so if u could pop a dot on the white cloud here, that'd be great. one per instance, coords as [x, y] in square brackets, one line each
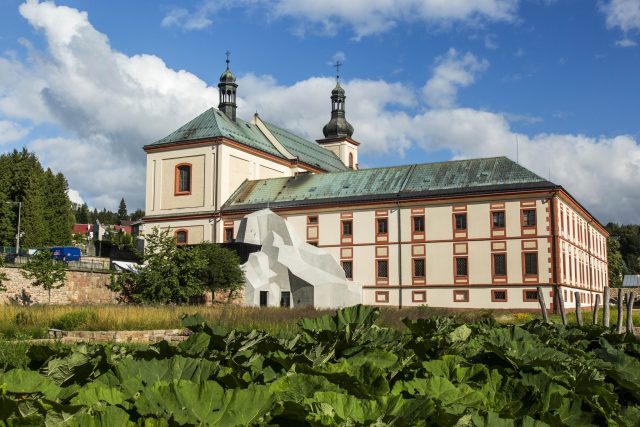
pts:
[111, 104]
[181, 17]
[626, 42]
[363, 17]
[624, 15]
[11, 131]
[74, 196]
[452, 71]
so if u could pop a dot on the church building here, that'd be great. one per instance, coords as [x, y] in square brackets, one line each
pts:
[478, 233]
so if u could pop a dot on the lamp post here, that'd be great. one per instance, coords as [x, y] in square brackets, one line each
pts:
[18, 235]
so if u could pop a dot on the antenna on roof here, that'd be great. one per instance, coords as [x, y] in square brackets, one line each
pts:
[517, 150]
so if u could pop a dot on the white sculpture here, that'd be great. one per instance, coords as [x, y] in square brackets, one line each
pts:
[288, 270]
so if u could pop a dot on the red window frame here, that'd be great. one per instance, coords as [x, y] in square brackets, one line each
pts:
[177, 191]
[186, 236]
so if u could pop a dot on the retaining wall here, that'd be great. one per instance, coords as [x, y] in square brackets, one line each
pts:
[81, 287]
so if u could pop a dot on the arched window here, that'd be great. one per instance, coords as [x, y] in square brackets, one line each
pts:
[350, 160]
[183, 179]
[182, 237]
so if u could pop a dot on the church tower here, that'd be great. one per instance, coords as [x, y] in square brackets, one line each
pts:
[227, 89]
[337, 133]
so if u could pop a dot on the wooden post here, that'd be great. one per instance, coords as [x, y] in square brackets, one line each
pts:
[595, 309]
[630, 298]
[605, 307]
[620, 311]
[543, 307]
[578, 308]
[560, 304]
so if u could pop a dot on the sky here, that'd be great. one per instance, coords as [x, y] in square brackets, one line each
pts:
[553, 84]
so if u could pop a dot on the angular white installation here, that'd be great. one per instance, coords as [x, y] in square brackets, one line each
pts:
[288, 271]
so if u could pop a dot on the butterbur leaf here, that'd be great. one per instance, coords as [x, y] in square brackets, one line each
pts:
[28, 382]
[183, 401]
[297, 387]
[244, 407]
[195, 344]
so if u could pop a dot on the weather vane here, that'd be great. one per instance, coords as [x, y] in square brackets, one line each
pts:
[228, 54]
[338, 64]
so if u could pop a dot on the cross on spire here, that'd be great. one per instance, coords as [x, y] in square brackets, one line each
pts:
[338, 64]
[228, 60]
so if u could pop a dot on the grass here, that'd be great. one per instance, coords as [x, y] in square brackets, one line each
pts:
[18, 322]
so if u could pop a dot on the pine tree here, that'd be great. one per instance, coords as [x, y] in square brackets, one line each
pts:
[7, 216]
[122, 211]
[34, 224]
[58, 209]
[82, 214]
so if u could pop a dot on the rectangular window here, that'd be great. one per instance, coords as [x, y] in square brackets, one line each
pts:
[312, 220]
[530, 295]
[499, 295]
[347, 228]
[418, 267]
[383, 268]
[382, 296]
[461, 221]
[418, 224]
[497, 219]
[461, 267]
[531, 264]
[348, 269]
[183, 179]
[264, 298]
[499, 264]
[460, 296]
[529, 217]
[228, 234]
[382, 226]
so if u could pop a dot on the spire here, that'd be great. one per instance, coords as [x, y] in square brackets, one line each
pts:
[338, 126]
[227, 90]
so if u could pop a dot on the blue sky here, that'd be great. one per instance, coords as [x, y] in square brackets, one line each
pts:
[86, 84]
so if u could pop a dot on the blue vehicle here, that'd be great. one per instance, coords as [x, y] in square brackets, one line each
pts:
[65, 253]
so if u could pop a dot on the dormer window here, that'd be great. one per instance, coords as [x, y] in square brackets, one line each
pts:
[183, 179]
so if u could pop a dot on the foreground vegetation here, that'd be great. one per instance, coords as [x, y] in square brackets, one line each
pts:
[340, 369]
[34, 321]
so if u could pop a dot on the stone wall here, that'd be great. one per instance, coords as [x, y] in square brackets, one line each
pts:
[150, 336]
[81, 288]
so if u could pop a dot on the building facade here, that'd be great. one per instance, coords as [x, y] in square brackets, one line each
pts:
[480, 233]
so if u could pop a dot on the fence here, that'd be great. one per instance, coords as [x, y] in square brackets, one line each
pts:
[97, 265]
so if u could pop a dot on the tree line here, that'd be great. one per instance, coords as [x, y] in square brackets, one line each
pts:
[83, 215]
[623, 251]
[46, 215]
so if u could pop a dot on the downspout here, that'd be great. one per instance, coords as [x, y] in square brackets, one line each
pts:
[215, 194]
[554, 250]
[406, 179]
[399, 255]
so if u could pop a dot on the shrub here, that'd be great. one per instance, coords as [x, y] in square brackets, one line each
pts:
[74, 320]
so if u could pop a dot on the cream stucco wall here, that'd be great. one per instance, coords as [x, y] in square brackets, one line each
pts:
[439, 250]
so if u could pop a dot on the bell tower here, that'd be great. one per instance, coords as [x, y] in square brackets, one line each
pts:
[227, 90]
[337, 133]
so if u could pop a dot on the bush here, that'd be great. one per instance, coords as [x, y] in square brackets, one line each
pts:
[74, 320]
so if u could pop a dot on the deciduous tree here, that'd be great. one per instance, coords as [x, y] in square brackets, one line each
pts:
[44, 271]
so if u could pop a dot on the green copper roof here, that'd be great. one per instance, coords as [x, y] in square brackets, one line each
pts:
[212, 123]
[399, 182]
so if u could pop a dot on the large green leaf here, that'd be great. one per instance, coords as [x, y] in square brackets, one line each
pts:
[183, 401]
[20, 381]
